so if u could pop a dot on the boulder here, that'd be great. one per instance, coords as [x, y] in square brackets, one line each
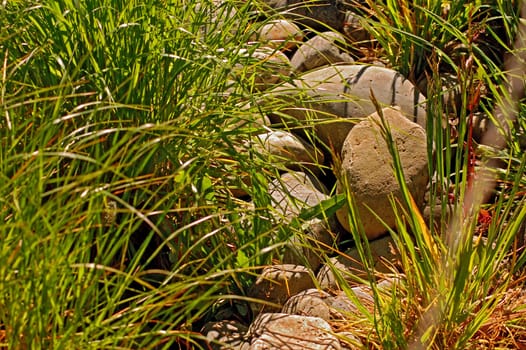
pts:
[340, 96]
[368, 171]
[323, 49]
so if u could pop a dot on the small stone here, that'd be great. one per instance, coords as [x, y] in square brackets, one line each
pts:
[354, 30]
[295, 191]
[224, 335]
[277, 283]
[291, 150]
[282, 34]
[324, 48]
[274, 66]
[321, 15]
[341, 305]
[291, 332]
[350, 268]
[308, 303]
[349, 341]
[309, 248]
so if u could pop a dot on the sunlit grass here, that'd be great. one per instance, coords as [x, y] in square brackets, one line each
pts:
[123, 129]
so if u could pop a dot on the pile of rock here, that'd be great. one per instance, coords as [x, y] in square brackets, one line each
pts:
[348, 107]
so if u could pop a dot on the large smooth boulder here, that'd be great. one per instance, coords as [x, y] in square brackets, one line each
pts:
[333, 99]
[367, 168]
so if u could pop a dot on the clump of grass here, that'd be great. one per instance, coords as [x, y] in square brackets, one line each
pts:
[460, 275]
[122, 140]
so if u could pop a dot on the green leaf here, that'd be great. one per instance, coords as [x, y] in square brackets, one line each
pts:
[324, 209]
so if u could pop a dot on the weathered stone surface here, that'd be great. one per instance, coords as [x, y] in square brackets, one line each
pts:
[354, 30]
[310, 302]
[295, 191]
[341, 305]
[292, 332]
[308, 248]
[277, 283]
[274, 66]
[328, 278]
[290, 150]
[321, 15]
[281, 33]
[349, 341]
[349, 266]
[224, 335]
[324, 48]
[341, 95]
[263, 67]
[367, 168]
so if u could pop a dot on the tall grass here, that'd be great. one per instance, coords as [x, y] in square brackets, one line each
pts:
[123, 129]
[119, 154]
[460, 285]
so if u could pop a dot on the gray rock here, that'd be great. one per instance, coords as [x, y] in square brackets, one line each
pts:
[355, 31]
[340, 96]
[281, 33]
[367, 168]
[295, 191]
[310, 302]
[324, 48]
[349, 341]
[291, 332]
[224, 335]
[290, 150]
[277, 283]
[320, 15]
[341, 305]
[335, 271]
[308, 248]
[349, 266]
[274, 66]
[263, 67]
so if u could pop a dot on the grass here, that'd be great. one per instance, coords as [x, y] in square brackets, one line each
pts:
[464, 272]
[120, 153]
